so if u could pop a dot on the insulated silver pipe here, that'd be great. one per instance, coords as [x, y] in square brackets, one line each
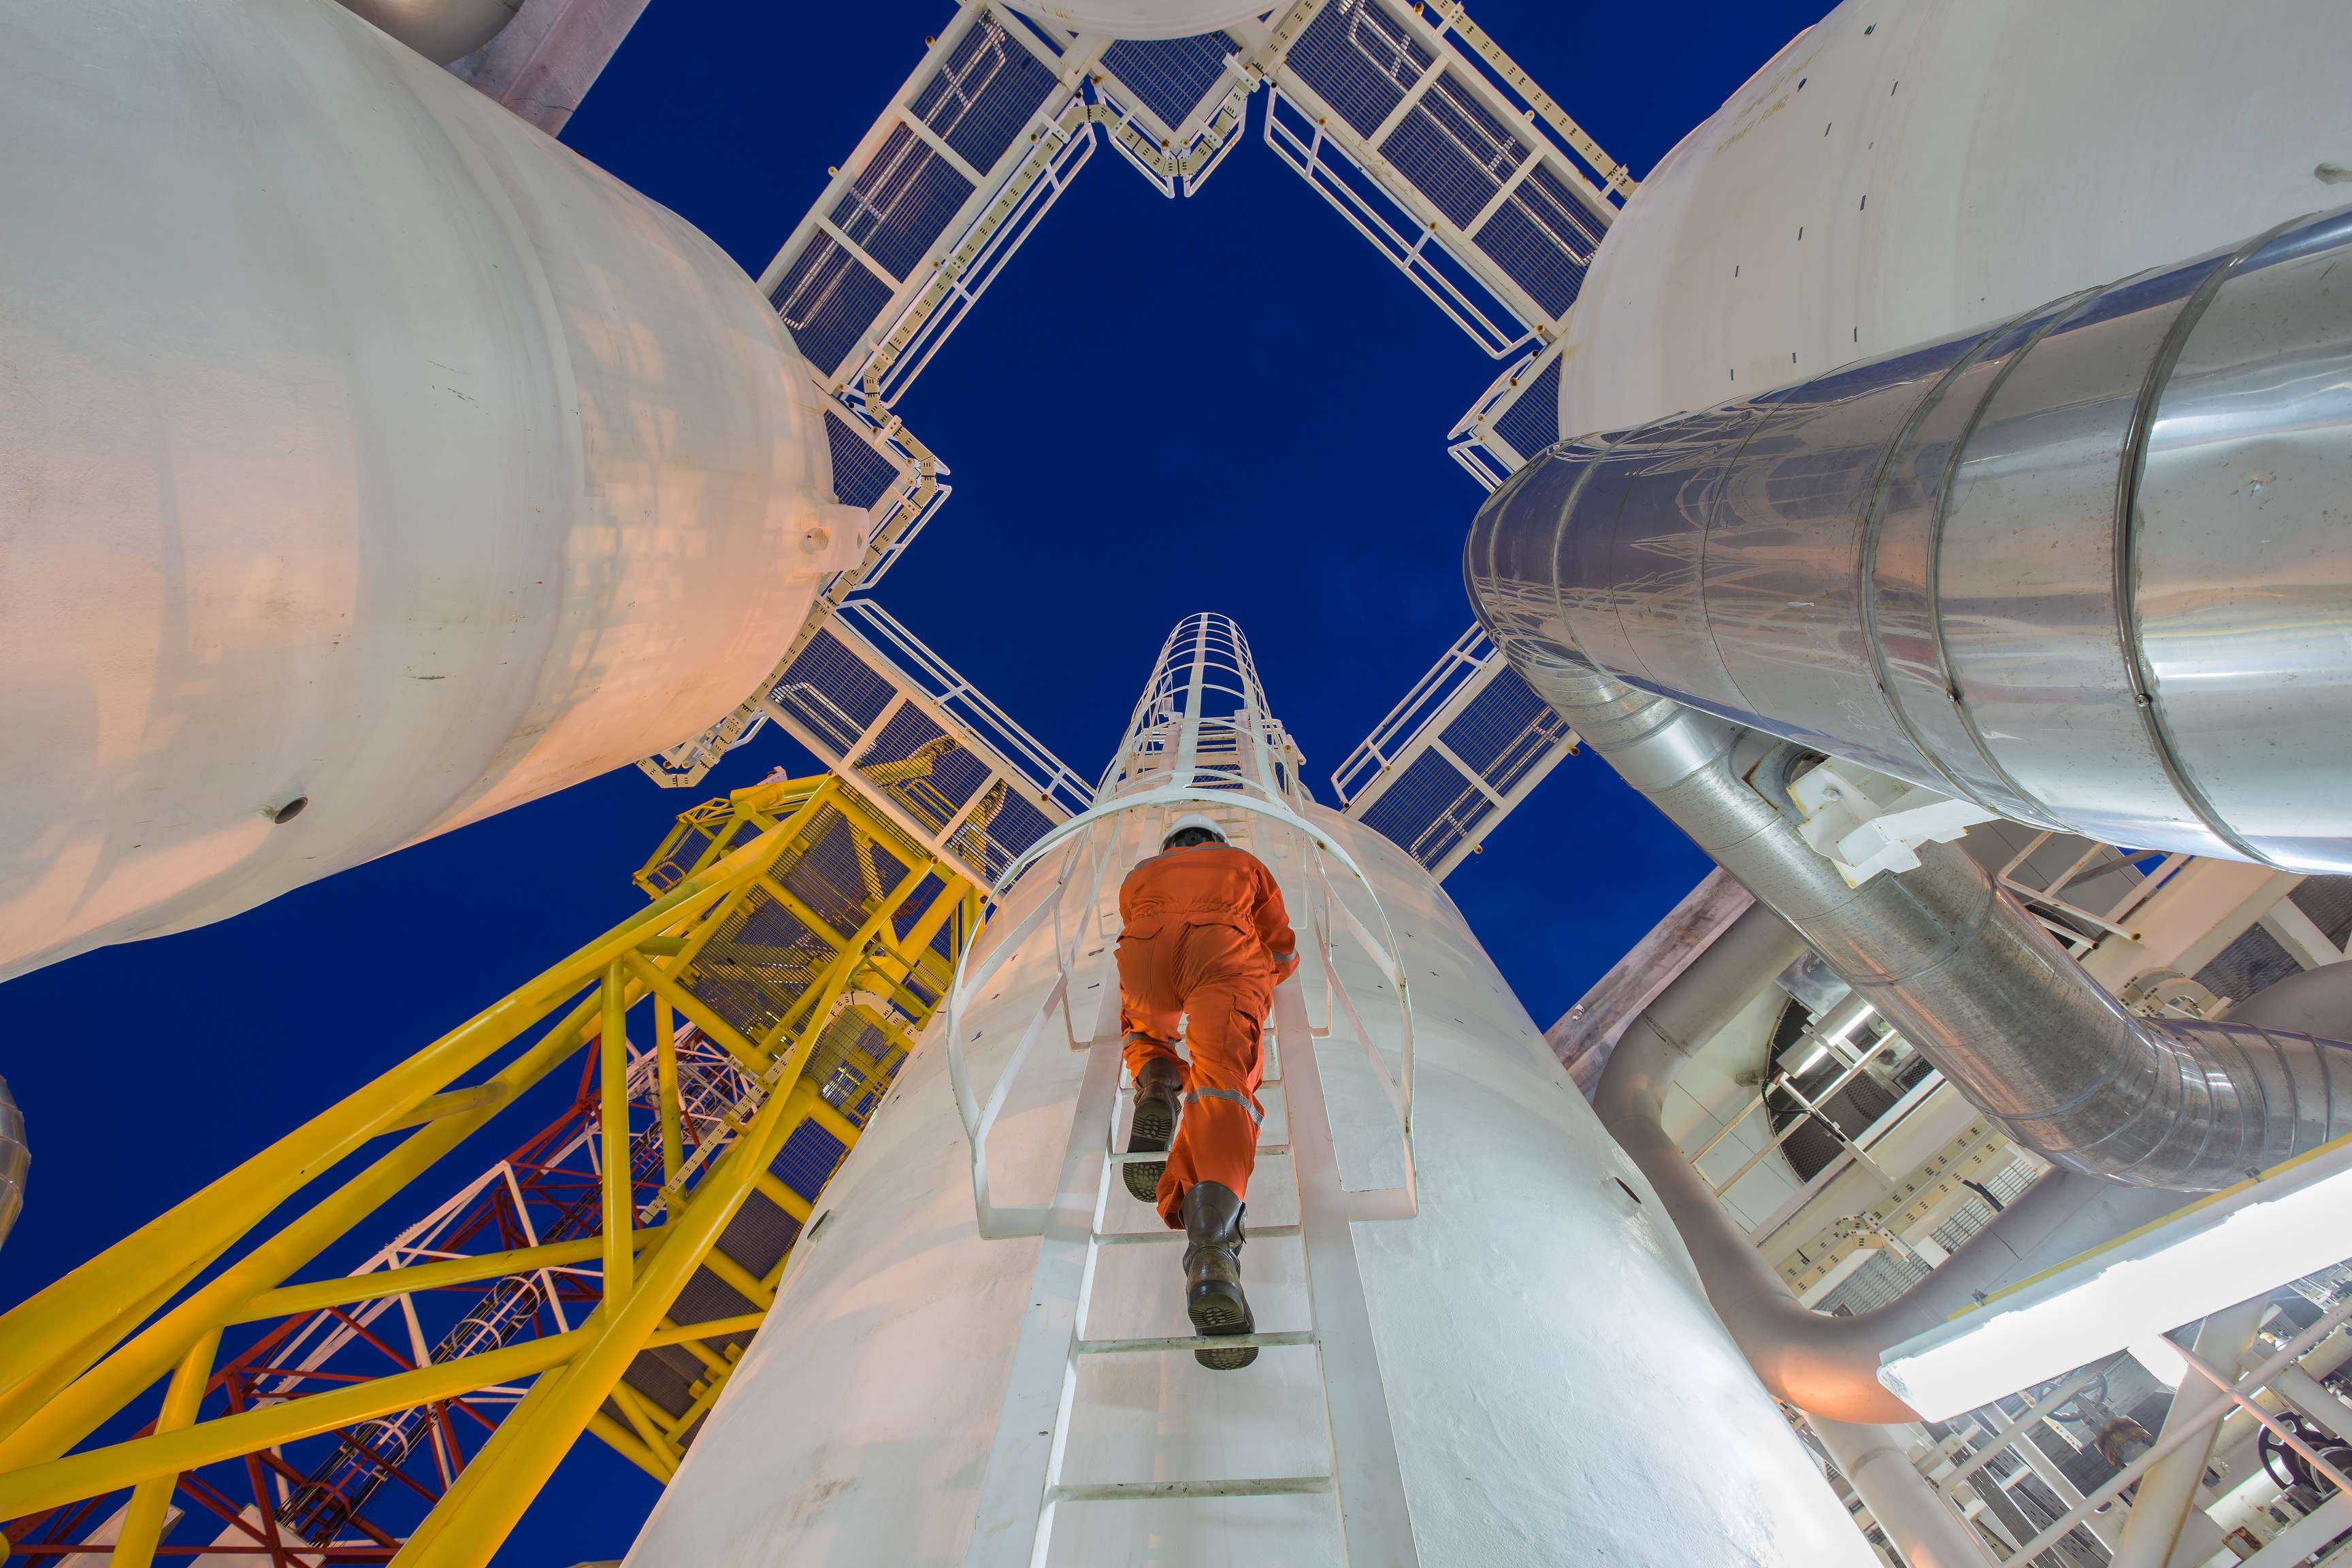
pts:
[1976, 984]
[1973, 982]
[1824, 1364]
[2090, 569]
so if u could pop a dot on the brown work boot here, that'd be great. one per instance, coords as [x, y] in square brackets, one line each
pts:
[1212, 1273]
[1159, 1089]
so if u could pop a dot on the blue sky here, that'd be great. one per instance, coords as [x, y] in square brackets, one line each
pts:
[1228, 403]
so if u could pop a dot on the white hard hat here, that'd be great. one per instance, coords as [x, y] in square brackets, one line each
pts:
[1192, 819]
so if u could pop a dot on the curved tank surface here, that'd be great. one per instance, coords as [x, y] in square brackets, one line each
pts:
[1906, 168]
[1559, 1386]
[370, 463]
[440, 30]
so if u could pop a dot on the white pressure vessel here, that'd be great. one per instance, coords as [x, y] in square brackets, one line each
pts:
[1908, 168]
[1559, 1390]
[360, 447]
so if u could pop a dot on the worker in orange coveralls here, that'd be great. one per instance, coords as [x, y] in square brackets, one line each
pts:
[1204, 937]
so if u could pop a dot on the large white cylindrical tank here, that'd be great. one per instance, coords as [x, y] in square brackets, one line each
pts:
[1908, 168]
[358, 444]
[1559, 1389]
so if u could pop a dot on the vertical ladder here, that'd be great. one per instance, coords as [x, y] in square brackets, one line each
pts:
[1029, 1484]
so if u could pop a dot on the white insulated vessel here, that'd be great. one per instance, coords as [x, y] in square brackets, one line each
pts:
[1523, 1372]
[1907, 168]
[359, 446]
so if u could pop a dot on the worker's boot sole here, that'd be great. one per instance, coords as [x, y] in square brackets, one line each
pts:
[1215, 1313]
[1153, 1129]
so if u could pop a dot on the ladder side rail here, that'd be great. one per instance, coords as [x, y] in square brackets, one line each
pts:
[1015, 1506]
[1375, 1521]
[1000, 1223]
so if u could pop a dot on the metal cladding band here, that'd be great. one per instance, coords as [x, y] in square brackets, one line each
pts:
[2089, 568]
[1969, 979]
[15, 1160]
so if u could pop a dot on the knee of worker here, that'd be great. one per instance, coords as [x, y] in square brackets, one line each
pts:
[1227, 1042]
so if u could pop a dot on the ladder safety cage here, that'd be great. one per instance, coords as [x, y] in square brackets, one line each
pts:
[1200, 738]
[1514, 419]
[1091, 854]
[1177, 751]
[1451, 160]
[1466, 744]
[903, 728]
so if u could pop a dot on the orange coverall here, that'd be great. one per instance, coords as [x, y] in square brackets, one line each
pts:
[1204, 935]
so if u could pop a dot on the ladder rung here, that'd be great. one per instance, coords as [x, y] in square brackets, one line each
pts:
[1251, 1233]
[1194, 1343]
[1148, 1491]
[1159, 1156]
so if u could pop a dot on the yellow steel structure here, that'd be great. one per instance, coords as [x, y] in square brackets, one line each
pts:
[791, 923]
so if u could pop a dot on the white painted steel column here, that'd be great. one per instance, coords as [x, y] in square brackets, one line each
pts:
[2169, 1491]
[1913, 1515]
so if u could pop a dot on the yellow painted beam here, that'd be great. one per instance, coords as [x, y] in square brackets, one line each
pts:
[645, 1423]
[691, 1342]
[612, 1116]
[783, 1197]
[745, 1283]
[665, 1093]
[624, 1443]
[664, 984]
[62, 1335]
[288, 1300]
[467, 1529]
[68, 1416]
[120, 1465]
[715, 1328]
[54, 1320]
[144, 1516]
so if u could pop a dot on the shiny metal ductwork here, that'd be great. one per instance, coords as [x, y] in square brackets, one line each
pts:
[1822, 1362]
[1824, 556]
[1971, 980]
[2090, 569]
